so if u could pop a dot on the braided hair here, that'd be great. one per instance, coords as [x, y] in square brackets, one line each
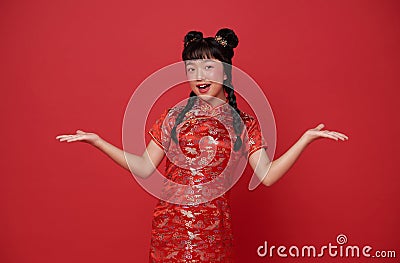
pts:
[197, 47]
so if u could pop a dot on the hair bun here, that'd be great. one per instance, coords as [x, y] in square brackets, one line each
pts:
[191, 36]
[229, 36]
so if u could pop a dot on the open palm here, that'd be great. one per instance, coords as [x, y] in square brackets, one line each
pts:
[80, 135]
[317, 132]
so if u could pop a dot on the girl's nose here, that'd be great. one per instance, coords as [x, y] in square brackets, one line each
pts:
[200, 74]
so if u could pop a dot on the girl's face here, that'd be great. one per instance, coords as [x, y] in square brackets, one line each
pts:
[205, 78]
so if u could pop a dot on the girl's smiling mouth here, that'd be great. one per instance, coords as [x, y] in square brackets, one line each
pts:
[203, 88]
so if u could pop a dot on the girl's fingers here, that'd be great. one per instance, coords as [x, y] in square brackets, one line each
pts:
[67, 137]
[61, 136]
[344, 136]
[334, 135]
[339, 135]
[75, 138]
[327, 135]
[78, 132]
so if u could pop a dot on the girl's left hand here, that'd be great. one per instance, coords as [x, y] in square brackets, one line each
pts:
[317, 133]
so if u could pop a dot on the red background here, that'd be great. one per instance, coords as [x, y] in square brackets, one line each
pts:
[68, 65]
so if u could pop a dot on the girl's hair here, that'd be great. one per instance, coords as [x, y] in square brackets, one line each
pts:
[221, 48]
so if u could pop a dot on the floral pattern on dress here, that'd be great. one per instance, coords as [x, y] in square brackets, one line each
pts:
[198, 232]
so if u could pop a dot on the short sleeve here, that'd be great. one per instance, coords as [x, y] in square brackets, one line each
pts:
[160, 130]
[255, 139]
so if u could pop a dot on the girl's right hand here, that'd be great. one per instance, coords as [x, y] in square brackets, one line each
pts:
[88, 137]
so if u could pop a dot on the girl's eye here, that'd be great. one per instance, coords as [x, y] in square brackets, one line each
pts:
[208, 67]
[190, 69]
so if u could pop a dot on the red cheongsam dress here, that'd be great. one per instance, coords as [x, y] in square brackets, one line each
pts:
[194, 231]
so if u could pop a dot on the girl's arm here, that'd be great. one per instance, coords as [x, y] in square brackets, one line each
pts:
[142, 166]
[260, 162]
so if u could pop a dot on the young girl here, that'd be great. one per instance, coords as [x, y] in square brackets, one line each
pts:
[199, 230]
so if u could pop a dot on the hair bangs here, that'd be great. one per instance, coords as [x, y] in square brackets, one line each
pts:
[201, 50]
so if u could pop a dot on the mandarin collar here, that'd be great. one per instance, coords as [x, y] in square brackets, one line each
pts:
[202, 107]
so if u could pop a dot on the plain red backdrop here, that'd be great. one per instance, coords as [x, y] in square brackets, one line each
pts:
[68, 65]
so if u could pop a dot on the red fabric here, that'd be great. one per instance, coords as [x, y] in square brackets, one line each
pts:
[198, 232]
[255, 140]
